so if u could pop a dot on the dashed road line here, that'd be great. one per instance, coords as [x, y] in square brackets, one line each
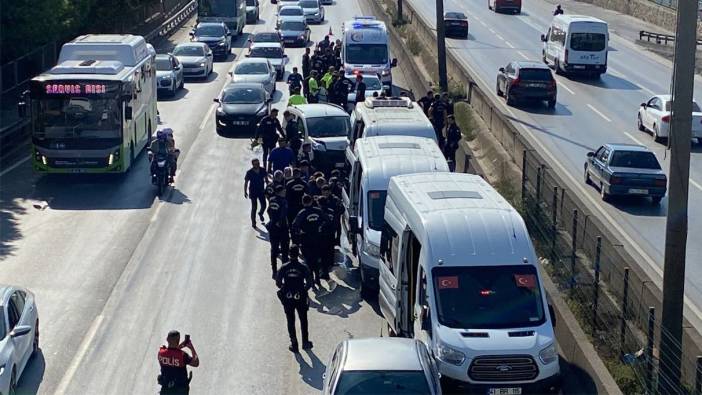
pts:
[631, 136]
[523, 55]
[696, 184]
[596, 111]
[499, 37]
[507, 43]
[564, 86]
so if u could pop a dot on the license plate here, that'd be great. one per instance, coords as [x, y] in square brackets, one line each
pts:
[339, 165]
[239, 123]
[578, 67]
[639, 191]
[505, 391]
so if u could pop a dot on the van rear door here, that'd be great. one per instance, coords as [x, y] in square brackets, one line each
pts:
[388, 292]
[587, 43]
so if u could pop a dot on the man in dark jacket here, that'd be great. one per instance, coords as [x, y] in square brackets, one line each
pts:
[453, 137]
[278, 227]
[307, 232]
[306, 63]
[294, 281]
[269, 130]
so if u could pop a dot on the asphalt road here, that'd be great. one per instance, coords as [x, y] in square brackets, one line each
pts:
[589, 113]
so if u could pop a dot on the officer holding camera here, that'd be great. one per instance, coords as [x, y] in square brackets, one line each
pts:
[173, 360]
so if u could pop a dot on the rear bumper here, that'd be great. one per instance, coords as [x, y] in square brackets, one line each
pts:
[532, 94]
[457, 30]
[635, 190]
[247, 125]
[290, 41]
[508, 6]
[584, 68]
[195, 72]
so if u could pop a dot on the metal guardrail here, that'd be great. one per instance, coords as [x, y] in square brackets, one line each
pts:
[659, 37]
[173, 22]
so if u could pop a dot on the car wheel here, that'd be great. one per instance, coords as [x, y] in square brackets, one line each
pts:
[489, 6]
[543, 57]
[656, 200]
[509, 99]
[552, 104]
[557, 66]
[182, 83]
[640, 124]
[656, 135]
[587, 177]
[603, 193]
[13, 383]
[35, 343]
[391, 333]
[497, 89]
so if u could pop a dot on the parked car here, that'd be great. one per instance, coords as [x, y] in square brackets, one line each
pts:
[216, 35]
[169, 73]
[19, 335]
[625, 170]
[287, 12]
[294, 31]
[274, 52]
[255, 70]
[381, 365]
[456, 24]
[252, 11]
[654, 115]
[313, 10]
[241, 106]
[197, 59]
[524, 80]
[514, 6]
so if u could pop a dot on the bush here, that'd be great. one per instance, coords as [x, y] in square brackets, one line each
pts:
[465, 119]
[413, 43]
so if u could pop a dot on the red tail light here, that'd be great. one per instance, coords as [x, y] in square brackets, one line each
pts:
[552, 84]
[516, 82]
[660, 182]
[666, 118]
[615, 180]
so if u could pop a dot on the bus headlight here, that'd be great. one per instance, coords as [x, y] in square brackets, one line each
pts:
[113, 156]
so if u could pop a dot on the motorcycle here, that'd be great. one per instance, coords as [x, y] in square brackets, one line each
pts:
[160, 172]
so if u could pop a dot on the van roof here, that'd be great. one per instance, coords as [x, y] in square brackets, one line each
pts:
[127, 49]
[468, 220]
[567, 19]
[392, 120]
[388, 156]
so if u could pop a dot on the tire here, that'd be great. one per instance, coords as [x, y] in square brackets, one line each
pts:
[173, 91]
[557, 67]
[656, 200]
[509, 99]
[640, 124]
[182, 83]
[489, 6]
[587, 177]
[656, 136]
[365, 291]
[543, 57]
[35, 343]
[603, 193]
[160, 188]
[497, 89]
[13, 382]
[552, 104]
[391, 333]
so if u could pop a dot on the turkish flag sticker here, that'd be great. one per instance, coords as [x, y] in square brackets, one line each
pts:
[448, 282]
[525, 280]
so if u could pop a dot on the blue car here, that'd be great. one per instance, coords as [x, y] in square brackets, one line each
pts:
[625, 170]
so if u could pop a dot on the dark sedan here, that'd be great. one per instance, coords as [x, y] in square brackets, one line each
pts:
[294, 32]
[625, 170]
[456, 24]
[523, 80]
[216, 35]
[241, 107]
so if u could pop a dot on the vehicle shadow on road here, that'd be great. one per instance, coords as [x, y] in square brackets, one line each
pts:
[552, 134]
[175, 197]
[542, 108]
[33, 375]
[607, 81]
[180, 93]
[311, 373]
[640, 206]
[10, 212]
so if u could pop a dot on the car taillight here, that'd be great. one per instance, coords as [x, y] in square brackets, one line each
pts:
[665, 118]
[516, 82]
[615, 180]
[464, 23]
[552, 84]
[660, 182]
[565, 60]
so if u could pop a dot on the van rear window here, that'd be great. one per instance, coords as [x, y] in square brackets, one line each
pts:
[535, 74]
[588, 42]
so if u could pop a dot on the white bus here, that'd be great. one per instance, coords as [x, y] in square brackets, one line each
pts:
[366, 48]
[576, 44]
[96, 109]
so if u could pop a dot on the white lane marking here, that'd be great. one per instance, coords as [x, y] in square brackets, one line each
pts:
[564, 86]
[82, 350]
[207, 117]
[482, 23]
[696, 184]
[158, 209]
[523, 55]
[637, 141]
[491, 31]
[14, 166]
[509, 44]
[499, 37]
[599, 113]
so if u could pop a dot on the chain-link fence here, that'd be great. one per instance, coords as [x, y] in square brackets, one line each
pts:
[611, 300]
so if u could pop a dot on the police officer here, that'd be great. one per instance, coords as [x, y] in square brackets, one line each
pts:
[340, 88]
[453, 137]
[307, 232]
[426, 102]
[437, 114]
[326, 241]
[312, 88]
[337, 54]
[318, 62]
[278, 227]
[295, 189]
[293, 133]
[294, 80]
[306, 63]
[360, 89]
[337, 210]
[173, 362]
[294, 281]
[269, 130]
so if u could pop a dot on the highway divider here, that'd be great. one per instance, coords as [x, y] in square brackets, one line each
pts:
[594, 265]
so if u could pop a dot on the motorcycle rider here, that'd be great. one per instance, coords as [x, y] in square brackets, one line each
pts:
[278, 227]
[173, 362]
[163, 146]
[294, 80]
[558, 11]
[307, 232]
[294, 281]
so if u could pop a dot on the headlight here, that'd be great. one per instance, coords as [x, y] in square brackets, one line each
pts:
[43, 160]
[449, 354]
[220, 111]
[385, 72]
[202, 64]
[222, 43]
[2, 369]
[371, 249]
[548, 354]
[262, 111]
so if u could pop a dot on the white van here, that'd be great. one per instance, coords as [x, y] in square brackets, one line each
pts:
[397, 116]
[576, 44]
[325, 127]
[377, 159]
[459, 272]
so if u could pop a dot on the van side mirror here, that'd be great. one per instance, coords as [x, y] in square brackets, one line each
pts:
[590, 154]
[353, 224]
[128, 113]
[20, 330]
[501, 69]
[552, 313]
[543, 38]
[394, 62]
[644, 105]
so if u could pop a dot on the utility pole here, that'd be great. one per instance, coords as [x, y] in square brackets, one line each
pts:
[676, 224]
[441, 45]
[400, 18]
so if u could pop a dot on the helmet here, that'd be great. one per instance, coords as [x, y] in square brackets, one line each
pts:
[166, 130]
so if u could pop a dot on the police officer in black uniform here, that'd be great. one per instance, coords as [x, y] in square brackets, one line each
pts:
[278, 227]
[268, 130]
[327, 240]
[295, 189]
[294, 281]
[336, 207]
[318, 62]
[437, 114]
[453, 137]
[307, 232]
[306, 63]
[341, 89]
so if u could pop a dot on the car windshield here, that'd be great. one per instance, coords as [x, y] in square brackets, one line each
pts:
[308, 4]
[266, 52]
[251, 68]
[382, 382]
[292, 25]
[189, 50]
[291, 11]
[695, 106]
[635, 159]
[367, 53]
[328, 126]
[163, 64]
[588, 41]
[251, 3]
[488, 297]
[267, 38]
[242, 96]
[376, 209]
[212, 31]
[535, 74]
[455, 15]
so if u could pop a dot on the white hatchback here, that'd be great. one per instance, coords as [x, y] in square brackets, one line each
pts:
[19, 334]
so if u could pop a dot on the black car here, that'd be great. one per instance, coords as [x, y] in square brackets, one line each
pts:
[216, 35]
[456, 24]
[294, 32]
[241, 107]
[252, 11]
[625, 170]
[522, 81]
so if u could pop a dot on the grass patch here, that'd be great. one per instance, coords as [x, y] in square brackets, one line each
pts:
[456, 89]
[465, 118]
[413, 43]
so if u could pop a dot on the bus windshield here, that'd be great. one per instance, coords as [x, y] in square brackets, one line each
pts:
[68, 117]
[367, 53]
[211, 8]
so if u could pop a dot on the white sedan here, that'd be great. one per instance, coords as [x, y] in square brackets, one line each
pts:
[654, 116]
[373, 85]
[19, 334]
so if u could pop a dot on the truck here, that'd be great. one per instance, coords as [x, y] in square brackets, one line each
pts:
[231, 12]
